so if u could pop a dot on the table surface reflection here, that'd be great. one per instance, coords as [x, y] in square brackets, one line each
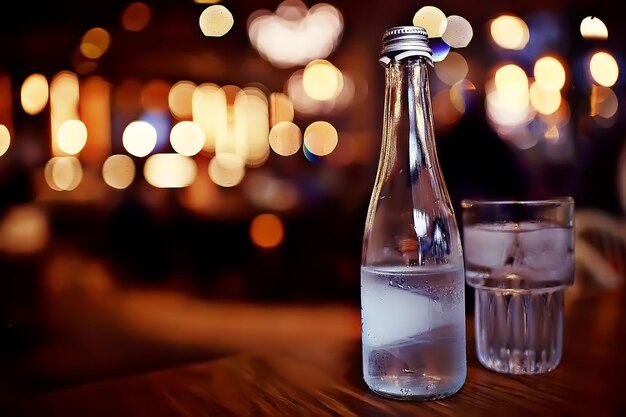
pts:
[324, 379]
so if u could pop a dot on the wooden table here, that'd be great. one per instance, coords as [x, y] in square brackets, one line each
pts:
[325, 380]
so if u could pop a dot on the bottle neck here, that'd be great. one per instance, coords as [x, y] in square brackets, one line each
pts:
[408, 135]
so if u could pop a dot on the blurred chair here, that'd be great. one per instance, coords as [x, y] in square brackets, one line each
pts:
[600, 250]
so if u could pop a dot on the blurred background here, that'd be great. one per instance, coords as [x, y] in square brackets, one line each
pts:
[175, 174]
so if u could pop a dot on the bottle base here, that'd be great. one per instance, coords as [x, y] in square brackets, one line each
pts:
[410, 389]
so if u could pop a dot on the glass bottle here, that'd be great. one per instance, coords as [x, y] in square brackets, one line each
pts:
[412, 275]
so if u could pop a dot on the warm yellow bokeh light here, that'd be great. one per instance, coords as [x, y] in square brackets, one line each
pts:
[432, 19]
[267, 231]
[64, 103]
[118, 171]
[295, 34]
[258, 92]
[63, 173]
[544, 101]
[509, 32]
[187, 138]
[281, 108]
[320, 138]
[72, 136]
[511, 84]
[604, 102]
[249, 128]
[322, 80]
[285, 138]
[604, 69]
[458, 33]
[549, 73]
[139, 138]
[170, 170]
[227, 169]
[593, 28]
[216, 21]
[5, 139]
[210, 112]
[34, 94]
[180, 99]
[95, 42]
[507, 107]
[511, 77]
[136, 16]
[24, 229]
[452, 69]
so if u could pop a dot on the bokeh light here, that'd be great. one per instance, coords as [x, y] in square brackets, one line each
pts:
[5, 139]
[180, 99]
[227, 169]
[511, 85]
[604, 102]
[281, 108]
[444, 112]
[250, 128]
[64, 101]
[592, 27]
[560, 118]
[72, 136]
[458, 33]
[24, 230]
[432, 19]
[303, 103]
[83, 65]
[209, 111]
[270, 193]
[63, 173]
[34, 94]
[604, 69]
[118, 171]
[187, 138]
[320, 138]
[509, 32]
[285, 138]
[549, 73]
[452, 69]
[95, 42]
[459, 94]
[295, 35]
[544, 101]
[216, 21]
[509, 105]
[267, 231]
[322, 80]
[136, 16]
[139, 138]
[169, 170]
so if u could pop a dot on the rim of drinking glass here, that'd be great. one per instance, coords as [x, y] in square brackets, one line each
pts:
[561, 200]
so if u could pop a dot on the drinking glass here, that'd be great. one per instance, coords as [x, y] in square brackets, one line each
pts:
[519, 258]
